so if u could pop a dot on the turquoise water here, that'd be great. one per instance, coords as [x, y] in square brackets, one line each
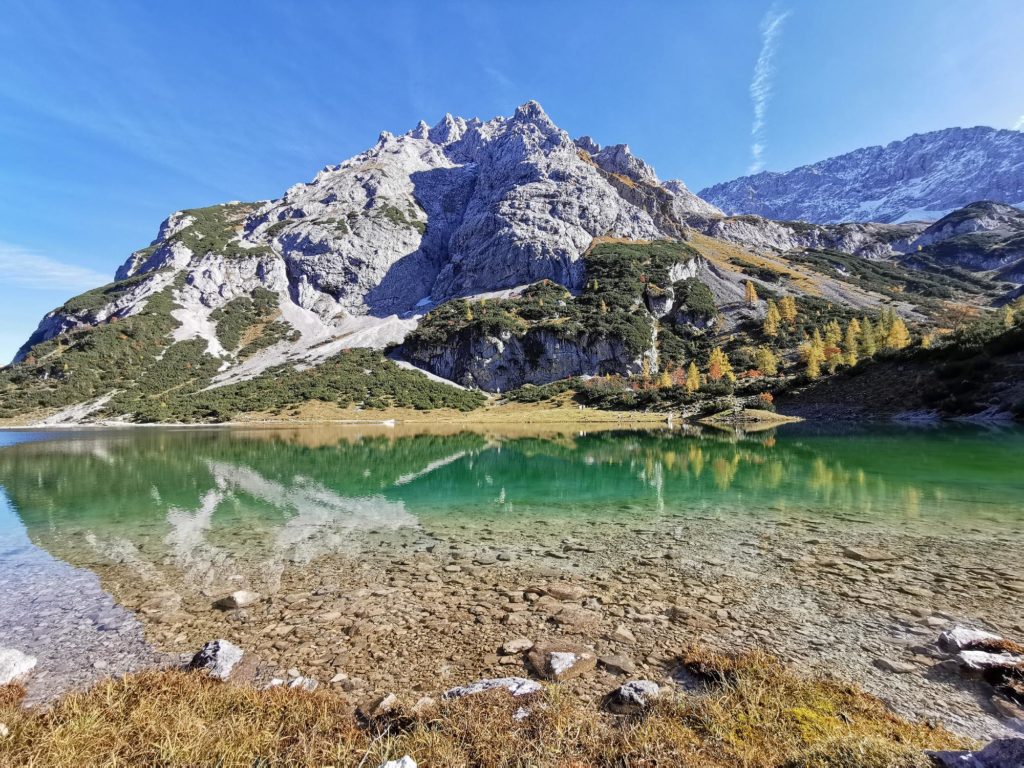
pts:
[952, 476]
[378, 553]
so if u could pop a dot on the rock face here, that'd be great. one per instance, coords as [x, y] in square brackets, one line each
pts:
[869, 240]
[922, 177]
[503, 362]
[982, 236]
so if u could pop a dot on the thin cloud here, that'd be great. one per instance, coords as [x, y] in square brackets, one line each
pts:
[761, 84]
[1019, 125]
[21, 266]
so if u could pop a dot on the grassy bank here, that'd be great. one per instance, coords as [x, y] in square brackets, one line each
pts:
[751, 712]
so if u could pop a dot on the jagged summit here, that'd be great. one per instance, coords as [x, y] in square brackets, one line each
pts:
[922, 177]
[458, 208]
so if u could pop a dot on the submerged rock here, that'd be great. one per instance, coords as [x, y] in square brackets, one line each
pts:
[865, 554]
[561, 661]
[520, 644]
[15, 665]
[217, 658]
[240, 599]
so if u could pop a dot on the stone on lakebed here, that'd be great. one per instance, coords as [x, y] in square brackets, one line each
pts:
[561, 661]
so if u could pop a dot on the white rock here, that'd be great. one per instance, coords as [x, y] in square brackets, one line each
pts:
[517, 686]
[520, 644]
[217, 658]
[305, 683]
[982, 660]
[15, 665]
[462, 208]
[405, 762]
[960, 638]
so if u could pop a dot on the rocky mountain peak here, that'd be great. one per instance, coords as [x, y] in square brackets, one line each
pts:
[457, 209]
[922, 177]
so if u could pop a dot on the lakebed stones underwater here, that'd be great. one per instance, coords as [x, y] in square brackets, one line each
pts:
[420, 565]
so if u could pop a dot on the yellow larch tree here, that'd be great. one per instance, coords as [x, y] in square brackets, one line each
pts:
[692, 378]
[898, 336]
[772, 320]
[719, 366]
[750, 293]
[787, 308]
[851, 342]
[767, 362]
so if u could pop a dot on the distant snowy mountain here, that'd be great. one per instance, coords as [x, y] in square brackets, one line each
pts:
[923, 177]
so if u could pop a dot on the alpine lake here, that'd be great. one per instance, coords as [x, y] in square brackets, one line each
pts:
[387, 559]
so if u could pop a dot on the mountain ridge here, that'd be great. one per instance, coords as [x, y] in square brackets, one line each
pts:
[923, 176]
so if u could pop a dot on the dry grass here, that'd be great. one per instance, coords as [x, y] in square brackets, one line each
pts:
[758, 715]
[560, 410]
[723, 254]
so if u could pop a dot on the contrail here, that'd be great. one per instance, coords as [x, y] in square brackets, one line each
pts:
[761, 85]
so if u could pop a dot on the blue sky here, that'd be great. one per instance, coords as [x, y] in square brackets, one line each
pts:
[114, 114]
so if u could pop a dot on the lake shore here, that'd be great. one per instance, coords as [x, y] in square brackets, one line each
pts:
[744, 709]
[411, 565]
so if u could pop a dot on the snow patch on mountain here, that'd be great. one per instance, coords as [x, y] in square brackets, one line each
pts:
[924, 176]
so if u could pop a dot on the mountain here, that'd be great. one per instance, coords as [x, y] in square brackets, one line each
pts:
[983, 236]
[922, 177]
[472, 256]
